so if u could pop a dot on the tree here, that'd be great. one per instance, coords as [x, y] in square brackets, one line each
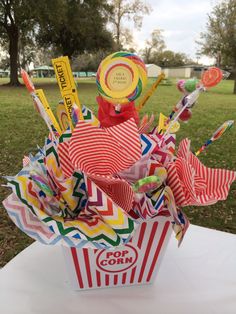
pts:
[88, 62]
[169, 58]
[155, 45]
[70, 26]
[127, 10]
[219, 39]
[74, 27]
[16, 20]
[27, 50]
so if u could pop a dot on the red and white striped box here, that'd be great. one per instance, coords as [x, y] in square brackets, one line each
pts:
[134, 263]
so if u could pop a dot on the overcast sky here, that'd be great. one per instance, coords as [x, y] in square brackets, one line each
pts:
[181, 21]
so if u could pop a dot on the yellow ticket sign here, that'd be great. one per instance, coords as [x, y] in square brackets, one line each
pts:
[43, 99]
[67, 85]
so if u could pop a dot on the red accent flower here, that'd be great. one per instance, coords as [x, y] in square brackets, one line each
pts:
[109, 117]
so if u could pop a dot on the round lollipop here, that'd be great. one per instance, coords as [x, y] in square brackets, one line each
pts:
[121, 77]
[62, 116]
[28, 83]
[212, 77]
[180, 86]
[147, 184]
[185, 115]
[175, 127]
[190, 85]
[161, 173]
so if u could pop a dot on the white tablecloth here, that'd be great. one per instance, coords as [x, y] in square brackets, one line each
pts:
[200, 277]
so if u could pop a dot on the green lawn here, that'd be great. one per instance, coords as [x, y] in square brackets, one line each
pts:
[22, 130]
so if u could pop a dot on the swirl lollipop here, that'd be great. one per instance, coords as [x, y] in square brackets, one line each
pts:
[227, 125]
[212, 77]
[147, 184]
[121, 77]
[180, 86]
[190, 85]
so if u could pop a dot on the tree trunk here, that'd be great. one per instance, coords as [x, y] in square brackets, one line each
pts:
[118, 38]
[118, 27]
[235, 79]
[13, 52]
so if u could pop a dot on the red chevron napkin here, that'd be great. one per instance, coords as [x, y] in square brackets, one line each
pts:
[194, 184]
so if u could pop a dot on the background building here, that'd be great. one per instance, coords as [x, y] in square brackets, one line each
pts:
[153, 70]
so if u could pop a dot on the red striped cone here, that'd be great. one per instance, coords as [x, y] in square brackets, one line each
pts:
[134, 263]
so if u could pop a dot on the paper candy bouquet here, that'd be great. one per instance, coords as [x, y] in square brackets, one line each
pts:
[99, 182]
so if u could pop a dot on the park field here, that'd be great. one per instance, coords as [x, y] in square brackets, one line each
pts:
[22, 129]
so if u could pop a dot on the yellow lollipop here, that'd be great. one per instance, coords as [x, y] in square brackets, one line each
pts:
[121, 77]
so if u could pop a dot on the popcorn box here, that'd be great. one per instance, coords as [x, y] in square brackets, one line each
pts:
[134, 263]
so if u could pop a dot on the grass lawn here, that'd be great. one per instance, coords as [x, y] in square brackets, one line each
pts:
[21, 130]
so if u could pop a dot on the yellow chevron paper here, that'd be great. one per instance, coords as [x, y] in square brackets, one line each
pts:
[99, 228]
[162, 124]
[88, 226]
[62, 117]
[27, 193]
[66, 185]
[67, 85]
[43, 99]
[113, 215]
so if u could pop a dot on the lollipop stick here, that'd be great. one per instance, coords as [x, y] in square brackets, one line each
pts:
[216, 135]
[150, 91]
[38, 104]
[203, 147]
[190, 100]
[174, 110]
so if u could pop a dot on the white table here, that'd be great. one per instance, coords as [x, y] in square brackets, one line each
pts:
[200, 277]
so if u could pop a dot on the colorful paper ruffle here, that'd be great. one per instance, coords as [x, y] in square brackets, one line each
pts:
[79, 191]
[194, 184]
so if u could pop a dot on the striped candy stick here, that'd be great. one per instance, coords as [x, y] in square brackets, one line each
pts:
[38, 104]
[227, 125]
[210, 78]
[190, 100]
[174, 110]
